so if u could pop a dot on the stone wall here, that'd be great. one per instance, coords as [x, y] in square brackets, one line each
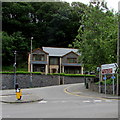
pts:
[94, 87]
[24, 80]
[71, 80]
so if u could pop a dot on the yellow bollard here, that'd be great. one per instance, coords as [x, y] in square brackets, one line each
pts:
[19, 94]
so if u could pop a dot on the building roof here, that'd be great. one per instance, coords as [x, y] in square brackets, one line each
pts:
[38, 50]
[59, 52]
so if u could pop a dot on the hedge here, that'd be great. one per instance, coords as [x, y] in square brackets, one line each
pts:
[60, 74]
[72, 75]
[21, 72]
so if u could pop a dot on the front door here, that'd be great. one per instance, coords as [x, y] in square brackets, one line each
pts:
[54, 70]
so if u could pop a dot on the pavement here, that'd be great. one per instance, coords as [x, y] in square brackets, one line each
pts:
[29, 95]
[80, 90]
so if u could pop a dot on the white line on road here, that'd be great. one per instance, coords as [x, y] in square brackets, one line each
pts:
[86, 101]
[63, 101]
[42, 102]
[97, 100]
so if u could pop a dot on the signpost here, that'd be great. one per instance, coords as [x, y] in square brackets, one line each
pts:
[105, 78]
[99, 70]
[113, 77]
[109, 69]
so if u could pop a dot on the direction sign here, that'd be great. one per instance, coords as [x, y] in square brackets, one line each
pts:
[109, 68]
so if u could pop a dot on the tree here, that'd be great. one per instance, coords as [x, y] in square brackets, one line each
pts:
[50, 23]
[97, 36]
[13, 42]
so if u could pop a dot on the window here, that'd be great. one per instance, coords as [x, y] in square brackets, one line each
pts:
[72, 60]
[54, 61]
[38, 57]
[38, 68]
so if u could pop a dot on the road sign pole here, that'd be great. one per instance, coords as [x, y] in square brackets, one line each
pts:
[99, 82]
[113, 77]
[113, 87]
[105, 85]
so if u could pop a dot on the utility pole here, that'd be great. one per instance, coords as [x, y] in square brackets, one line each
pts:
[31, 64]
[15, 81]
[118, 52]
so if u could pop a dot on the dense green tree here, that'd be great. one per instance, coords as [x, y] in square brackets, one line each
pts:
[97, 36]
[11, 43]
[50, 23]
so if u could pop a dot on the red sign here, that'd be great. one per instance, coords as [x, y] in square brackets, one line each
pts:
[107, 71]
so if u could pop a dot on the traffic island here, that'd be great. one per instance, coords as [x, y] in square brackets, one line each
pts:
[26, 98]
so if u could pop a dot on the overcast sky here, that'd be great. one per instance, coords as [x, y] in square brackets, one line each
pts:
[112, 4]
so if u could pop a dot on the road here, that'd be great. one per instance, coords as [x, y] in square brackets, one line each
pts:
[58, 104]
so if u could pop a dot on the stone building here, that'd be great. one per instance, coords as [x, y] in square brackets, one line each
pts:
[55, 60]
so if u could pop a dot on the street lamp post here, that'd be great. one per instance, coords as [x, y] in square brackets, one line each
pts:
[15, 81]
[31, 63]
[118, 52]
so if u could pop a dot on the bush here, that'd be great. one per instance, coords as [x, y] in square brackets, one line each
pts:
[72, 75]
[60, 74]
[21, 72]
[108, 81]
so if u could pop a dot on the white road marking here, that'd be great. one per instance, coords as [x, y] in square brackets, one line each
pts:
[43, 102]
[86, 101]
[63, 101]
[97, 100]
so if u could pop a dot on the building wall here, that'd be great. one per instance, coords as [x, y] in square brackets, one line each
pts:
[38, 51]
[28, 62]
[70, 55]
[51, 67]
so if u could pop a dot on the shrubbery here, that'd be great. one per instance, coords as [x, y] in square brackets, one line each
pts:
[21, 72]
[63, 74]
[60, 74]
[108, 81]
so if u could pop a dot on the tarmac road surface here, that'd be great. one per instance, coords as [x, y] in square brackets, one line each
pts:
[59, 103]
